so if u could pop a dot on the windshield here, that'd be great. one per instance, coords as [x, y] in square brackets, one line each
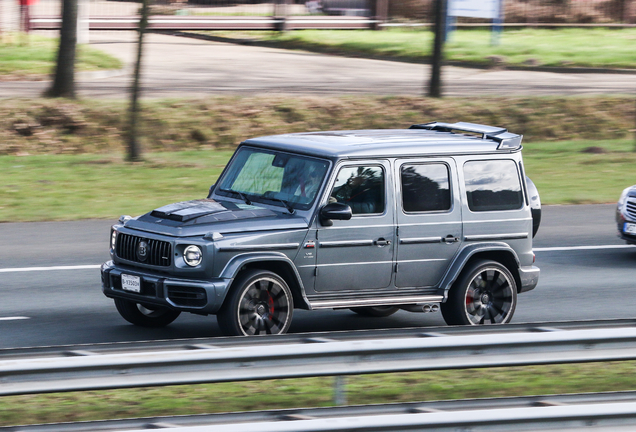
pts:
[282, 178]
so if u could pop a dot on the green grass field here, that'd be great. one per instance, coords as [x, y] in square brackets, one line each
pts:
[68, 187]
[586, 47]
[29, 57]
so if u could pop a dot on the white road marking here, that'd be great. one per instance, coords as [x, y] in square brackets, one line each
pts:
[13, 318]
[572, 248]
[32, 269]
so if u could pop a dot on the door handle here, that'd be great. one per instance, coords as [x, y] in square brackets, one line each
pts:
[450, 239]
[382, 242]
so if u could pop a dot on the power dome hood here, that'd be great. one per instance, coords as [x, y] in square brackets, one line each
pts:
[208, 210]
[199, 217]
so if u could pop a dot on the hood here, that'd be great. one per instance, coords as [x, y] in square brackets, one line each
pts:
[199, 217]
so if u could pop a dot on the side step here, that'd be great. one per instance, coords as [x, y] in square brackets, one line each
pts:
[375, 301]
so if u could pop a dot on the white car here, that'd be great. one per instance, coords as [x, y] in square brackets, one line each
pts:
[626, 215]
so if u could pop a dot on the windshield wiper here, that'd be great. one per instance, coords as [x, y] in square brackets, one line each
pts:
[244, 198]
[240, 194]
[287, 205]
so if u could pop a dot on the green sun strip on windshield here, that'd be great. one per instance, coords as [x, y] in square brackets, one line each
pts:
[259, 175]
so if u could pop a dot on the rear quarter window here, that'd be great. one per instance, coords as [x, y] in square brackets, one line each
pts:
[492, 185]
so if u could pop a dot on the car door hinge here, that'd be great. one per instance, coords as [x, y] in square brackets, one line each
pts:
[396, 267]
[397, 231]
[315, 271]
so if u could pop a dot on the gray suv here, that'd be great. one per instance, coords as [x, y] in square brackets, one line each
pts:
[435, 217]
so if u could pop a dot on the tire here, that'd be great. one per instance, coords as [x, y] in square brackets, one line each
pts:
[485, 293]
[375, 311]
[145, 316]
[259, 303]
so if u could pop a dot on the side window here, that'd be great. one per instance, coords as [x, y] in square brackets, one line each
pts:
[425, 187]
[361, 187]
[492, 185]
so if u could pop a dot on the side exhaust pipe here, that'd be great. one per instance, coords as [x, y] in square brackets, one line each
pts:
[421, 308]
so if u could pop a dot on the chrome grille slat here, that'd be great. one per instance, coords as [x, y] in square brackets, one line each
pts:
[630, 207]
[159, 252]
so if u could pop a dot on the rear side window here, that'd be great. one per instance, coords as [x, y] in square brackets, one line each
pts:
[492, 185]
[425, 187]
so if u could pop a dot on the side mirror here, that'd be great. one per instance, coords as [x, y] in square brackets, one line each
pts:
[337, 211]
[211, 190]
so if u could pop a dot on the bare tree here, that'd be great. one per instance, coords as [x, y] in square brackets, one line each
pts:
[435, 87]
[134, 153]
[64, 80]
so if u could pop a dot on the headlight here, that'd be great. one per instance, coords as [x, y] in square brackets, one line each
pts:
[113, 239]
[192, 255]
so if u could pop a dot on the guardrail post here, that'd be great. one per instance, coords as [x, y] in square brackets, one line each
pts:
[280, 14]
[340, 390]
[379, 13]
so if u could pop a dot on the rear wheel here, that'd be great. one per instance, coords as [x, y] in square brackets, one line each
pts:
[485, 293]
[145, 316]
[259, 303]
[375, 311]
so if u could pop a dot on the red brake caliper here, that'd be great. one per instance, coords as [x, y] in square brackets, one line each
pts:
[270, 303]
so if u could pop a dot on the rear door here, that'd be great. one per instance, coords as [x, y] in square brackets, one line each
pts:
[429, 220]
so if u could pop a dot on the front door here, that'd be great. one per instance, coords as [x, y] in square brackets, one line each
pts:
[357, 254]
[429, 219]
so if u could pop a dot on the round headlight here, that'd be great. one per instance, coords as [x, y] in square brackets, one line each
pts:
[192, 255]
[113, 239]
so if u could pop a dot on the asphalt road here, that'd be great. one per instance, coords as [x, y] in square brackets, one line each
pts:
[53, 307]
[183, 67]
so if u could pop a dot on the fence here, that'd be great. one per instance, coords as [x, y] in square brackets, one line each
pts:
[517, 12]
[534, 12]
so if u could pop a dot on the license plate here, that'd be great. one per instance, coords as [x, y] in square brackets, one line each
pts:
[629, 228]
[131, 283]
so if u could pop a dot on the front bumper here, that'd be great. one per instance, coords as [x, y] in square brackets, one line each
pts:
[529, 276]
[197, 296]
[629, 238]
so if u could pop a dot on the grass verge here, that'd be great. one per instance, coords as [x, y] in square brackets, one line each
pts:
[45, 126]
[316, 392]
[588, 47]
[70, 187]
[33, 57]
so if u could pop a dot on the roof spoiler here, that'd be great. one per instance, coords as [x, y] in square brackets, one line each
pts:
[506, 140]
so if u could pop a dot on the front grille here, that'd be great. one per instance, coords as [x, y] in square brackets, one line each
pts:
[158, 253]
[630, 207]
[187, 296]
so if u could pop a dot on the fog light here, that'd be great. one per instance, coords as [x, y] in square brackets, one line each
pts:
[192, 255]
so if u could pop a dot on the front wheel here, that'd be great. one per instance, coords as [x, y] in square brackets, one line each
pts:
[260, 303]
[145, 316]
[485, 293]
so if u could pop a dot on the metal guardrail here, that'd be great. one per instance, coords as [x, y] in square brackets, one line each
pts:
[161, 22]
[208, 364]
[246, 420]
[152, 363]
[302, 338]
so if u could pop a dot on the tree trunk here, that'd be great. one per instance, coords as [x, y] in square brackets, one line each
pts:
[435, 87]
[134, 153]
[64, 80]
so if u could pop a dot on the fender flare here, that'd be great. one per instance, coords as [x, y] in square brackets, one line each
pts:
[233, 267]
[466, 254]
